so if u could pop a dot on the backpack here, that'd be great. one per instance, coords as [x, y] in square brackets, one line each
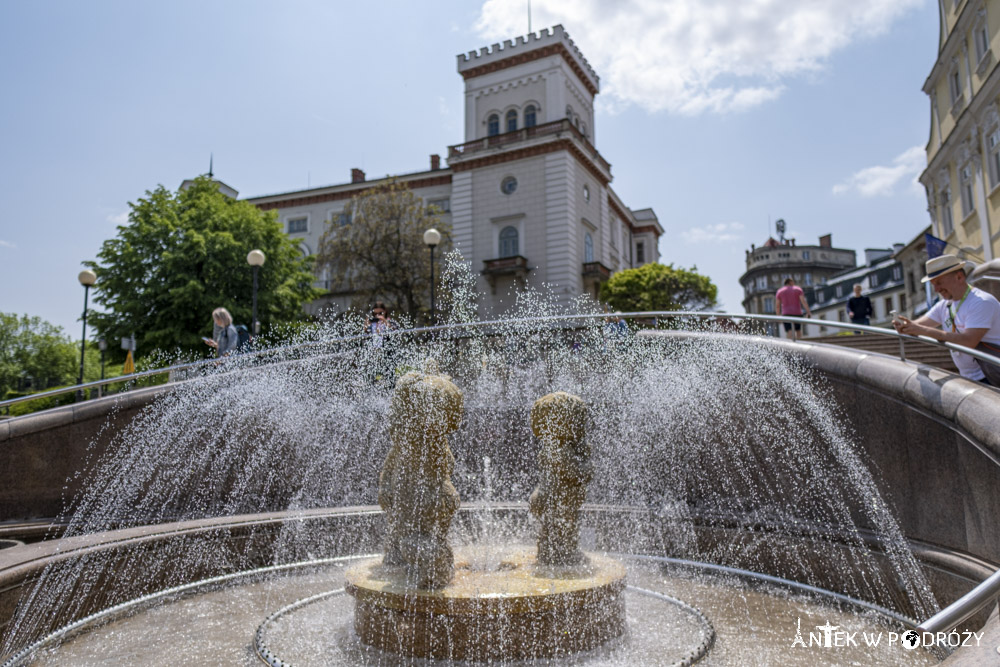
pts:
[244, 338]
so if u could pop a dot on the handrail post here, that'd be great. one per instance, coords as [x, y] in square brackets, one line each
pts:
[902, 349]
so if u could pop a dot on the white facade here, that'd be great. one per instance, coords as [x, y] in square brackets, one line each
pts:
[527, 194]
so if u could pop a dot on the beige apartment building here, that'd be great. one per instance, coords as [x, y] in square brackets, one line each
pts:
[962, 178]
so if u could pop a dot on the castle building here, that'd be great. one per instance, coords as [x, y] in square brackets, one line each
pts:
[772, 263]
[962, 178]
[527, 193]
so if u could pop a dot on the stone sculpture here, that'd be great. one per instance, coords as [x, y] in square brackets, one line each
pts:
[415, 488]
[559, 421]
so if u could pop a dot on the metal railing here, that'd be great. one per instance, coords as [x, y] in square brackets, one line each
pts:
[957, 612]
[655, 315]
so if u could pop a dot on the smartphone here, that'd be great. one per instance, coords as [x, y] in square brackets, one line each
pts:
[207, 340]
[895, 316]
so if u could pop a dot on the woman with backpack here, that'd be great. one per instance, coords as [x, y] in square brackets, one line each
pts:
[224, 336]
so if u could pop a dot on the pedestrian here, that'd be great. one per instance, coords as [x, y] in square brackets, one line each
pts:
[224, 335]
[382, 366]
[967, 316]
[859, 308]
[791, 300]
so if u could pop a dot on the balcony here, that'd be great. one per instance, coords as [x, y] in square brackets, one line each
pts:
[555, 129]
[596, 270]
[516, 266]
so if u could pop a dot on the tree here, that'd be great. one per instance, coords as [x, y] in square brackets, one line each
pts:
[35, 352]
[183, 254]
[376, 248]
[658, 287]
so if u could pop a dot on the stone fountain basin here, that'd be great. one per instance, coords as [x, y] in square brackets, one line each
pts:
[244, 542]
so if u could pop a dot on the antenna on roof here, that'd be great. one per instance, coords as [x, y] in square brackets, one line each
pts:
[529, 17]
[210, 157]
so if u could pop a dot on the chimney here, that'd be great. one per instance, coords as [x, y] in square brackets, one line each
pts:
[897, 248]
[435, 162]
[826, 241]
[357, 176]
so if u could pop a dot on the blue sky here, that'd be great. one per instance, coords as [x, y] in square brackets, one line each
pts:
[723, 115]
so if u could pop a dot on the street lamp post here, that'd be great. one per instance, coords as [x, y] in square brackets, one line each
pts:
[432, 238]
[87, 278]
[255, 258]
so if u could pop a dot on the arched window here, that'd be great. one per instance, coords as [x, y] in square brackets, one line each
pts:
[588, 247]
[493, 125]
[508, 242]
[511, 120]
[530, 116]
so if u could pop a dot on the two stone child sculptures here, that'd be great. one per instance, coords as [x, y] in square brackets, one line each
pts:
[419, 500]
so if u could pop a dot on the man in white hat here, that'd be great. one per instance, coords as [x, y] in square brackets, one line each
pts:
[967, 316]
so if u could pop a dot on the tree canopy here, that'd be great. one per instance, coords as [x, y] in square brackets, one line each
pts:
[181, 255]
[376, 250]
[659, 287]
[36, 353]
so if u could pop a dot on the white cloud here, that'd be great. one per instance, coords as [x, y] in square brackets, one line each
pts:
[6, 244]
[696, 56]
[721, 233]
[882, 180]
[118, 218]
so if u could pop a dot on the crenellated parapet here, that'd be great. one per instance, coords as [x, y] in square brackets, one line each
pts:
[550, 41]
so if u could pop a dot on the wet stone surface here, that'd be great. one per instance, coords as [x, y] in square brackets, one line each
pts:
[754, 625]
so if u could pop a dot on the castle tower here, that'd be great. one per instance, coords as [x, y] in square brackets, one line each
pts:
[531, 202]
[543, 74]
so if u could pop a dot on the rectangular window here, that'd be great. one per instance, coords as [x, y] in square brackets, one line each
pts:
[443, 205]
[820, 296]
[873, 280]
[897, 272]
[947, 226]
[840, 291]
[955, 86]
[994, 159]
[888, 305]
[761, 282]
[297, 225]
[805, 255]
[640, 253]
[902, 303]
[966, 178]
[768, 304]
[809, 279]
[982, 42]
[343, 219]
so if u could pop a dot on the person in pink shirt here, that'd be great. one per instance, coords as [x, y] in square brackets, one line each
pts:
[791, 300]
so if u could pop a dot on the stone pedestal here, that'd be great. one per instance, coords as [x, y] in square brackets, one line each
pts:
[513, 609]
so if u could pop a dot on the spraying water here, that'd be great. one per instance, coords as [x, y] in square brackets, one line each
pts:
[724, 451]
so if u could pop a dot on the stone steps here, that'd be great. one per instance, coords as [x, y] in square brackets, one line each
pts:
[919, 352]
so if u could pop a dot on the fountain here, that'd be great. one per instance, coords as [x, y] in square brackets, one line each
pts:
[413, 601]
[668, 498]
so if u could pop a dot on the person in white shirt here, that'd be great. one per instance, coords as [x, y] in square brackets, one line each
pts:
[966, 316]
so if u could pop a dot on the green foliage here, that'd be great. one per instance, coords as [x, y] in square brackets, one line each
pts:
[183, 254]
[380, 253]
[36, 353]
[659, 287]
